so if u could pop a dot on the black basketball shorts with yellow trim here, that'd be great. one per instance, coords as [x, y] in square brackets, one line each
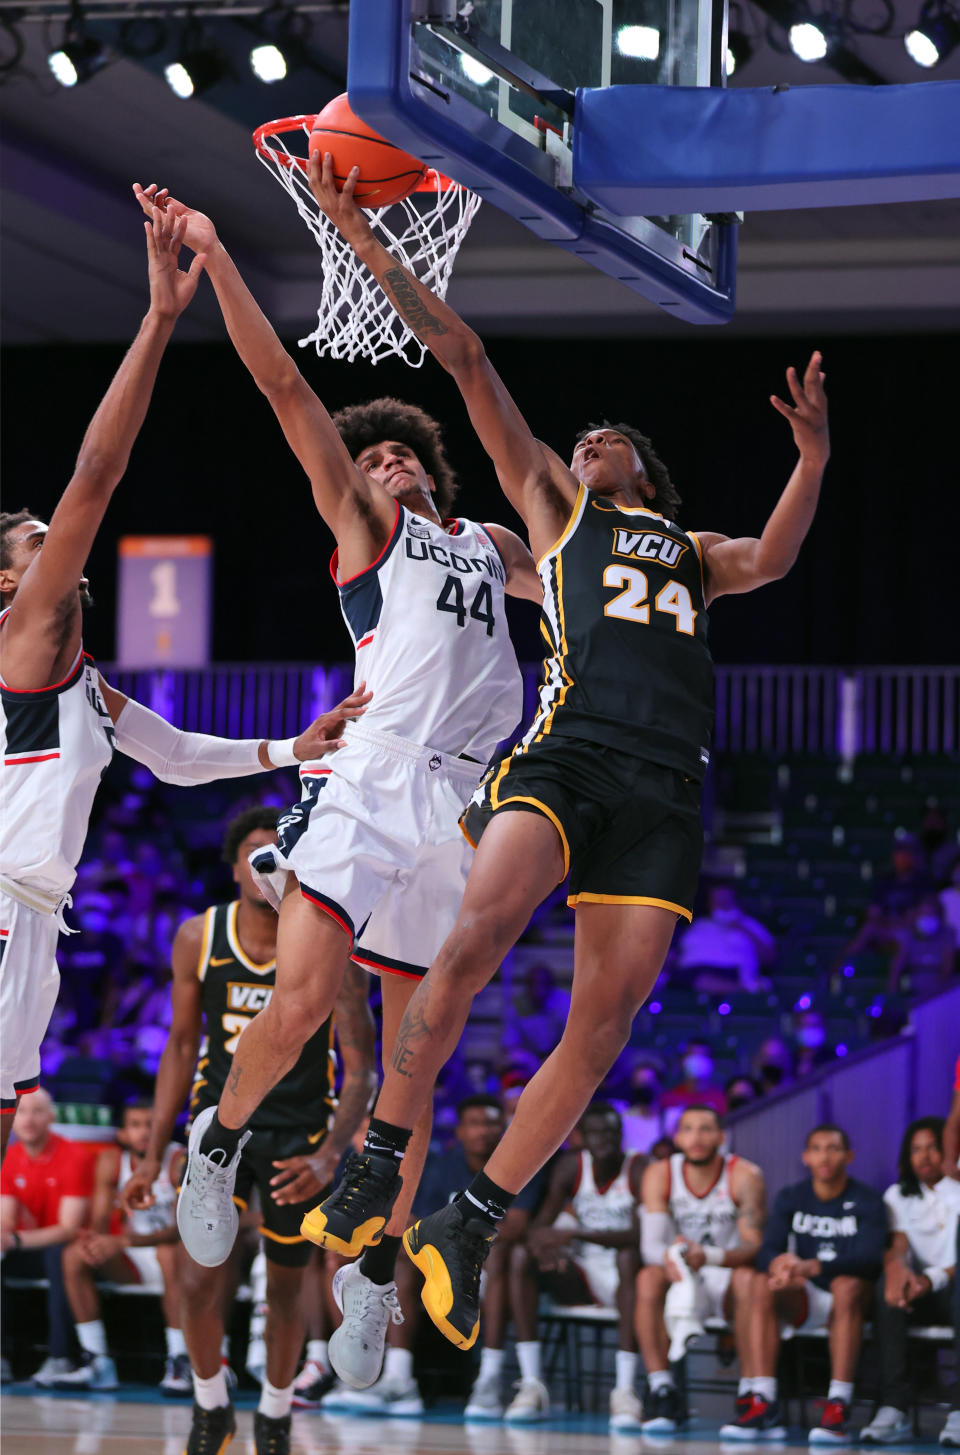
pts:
[283, 1242]
[631, 829]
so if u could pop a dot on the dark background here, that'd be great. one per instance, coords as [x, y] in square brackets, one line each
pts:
[874, 583]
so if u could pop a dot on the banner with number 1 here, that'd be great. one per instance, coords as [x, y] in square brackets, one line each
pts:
[163, 601]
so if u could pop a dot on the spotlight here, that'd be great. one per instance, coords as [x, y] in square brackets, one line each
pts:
[79, 56]
[935, 35]
[807, 41]
[739, 50]
[640, 42]
[268, 63]
[474, 70]
[196, 69]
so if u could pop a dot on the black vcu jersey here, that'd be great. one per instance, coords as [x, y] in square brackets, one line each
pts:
[234, 991]
[625, 621]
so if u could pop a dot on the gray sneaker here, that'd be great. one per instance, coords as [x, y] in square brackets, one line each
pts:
[950, 1434]
[51, 1370]
[206, 1212]
[356, 1348]
[97, 1372]
[889, 1426]
[486, 1400]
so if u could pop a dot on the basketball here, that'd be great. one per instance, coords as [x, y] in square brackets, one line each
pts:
[386, 173]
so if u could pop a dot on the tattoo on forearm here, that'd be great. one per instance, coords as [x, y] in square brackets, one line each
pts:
[410, 304]
[233, 1080]
[413, 1028]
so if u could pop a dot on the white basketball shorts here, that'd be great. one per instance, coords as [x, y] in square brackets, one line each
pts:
[819, 1309]
[29, 983]
[375, 841]
[147, 1264]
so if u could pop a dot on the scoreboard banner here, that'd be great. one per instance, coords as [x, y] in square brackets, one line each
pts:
[163, 601]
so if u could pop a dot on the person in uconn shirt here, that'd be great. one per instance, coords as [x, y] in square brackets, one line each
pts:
[821, 1253]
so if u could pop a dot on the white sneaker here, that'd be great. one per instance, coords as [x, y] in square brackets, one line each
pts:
[888, 1427]
[206, 1212]
[356, 1348]
[950, 1434]
[485, 1402]
[530, 1403]
[626, 1411]
[386, 1397]
[97, 1372]
[684, 1334]
[51, 1370]
[177, 1377]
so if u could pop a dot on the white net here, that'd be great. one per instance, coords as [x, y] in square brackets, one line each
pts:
[423, 231]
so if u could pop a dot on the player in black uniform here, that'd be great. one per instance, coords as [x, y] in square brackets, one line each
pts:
[224, 969]
[605, 786]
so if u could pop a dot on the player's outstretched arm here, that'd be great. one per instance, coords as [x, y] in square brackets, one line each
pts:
[358, 511]
[736, 566]
[500, 427]
[44, 620]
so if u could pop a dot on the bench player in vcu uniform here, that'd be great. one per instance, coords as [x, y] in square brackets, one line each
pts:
[371, 863]
[224, 974]
[605, 786]
[59, 721]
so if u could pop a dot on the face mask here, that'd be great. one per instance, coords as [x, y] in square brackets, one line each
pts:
[724, 916]
[697, 1067]
[645, 1094]
[811, 1037]
[735, 1102]
[773, 1074]
[928, 924]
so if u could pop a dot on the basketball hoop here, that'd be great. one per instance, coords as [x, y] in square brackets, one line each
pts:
[423, 231]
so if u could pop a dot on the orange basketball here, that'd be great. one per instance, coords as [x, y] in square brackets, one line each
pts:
[386, 173]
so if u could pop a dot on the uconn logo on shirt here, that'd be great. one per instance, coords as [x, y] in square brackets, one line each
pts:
[819, 1225]
[421, 550]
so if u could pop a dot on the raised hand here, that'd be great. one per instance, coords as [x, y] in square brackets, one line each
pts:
[340, 206]
[807, 416]
[324, 735]
[197, 231]
[170, 287]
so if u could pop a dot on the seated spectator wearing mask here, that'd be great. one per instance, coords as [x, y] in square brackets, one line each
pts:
[725, 949]
[643, 1118]
[919, 1270]
[741, 1091]
[697, 1088]
[898, 891]
[810, 1034]
[924, 961]
[774, 1065]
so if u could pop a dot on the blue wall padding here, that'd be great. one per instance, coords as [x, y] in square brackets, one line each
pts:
[641, 150]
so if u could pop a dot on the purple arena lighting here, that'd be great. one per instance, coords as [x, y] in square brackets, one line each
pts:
[723, 1008]
[655, 1007]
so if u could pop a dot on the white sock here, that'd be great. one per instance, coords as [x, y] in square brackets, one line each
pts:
[766, 1387]
[491, 1363]
[225, 1348]
[626, 1368]
[176, 1343]
[398, 1366]
[317, 1351]
[275, 1402]
[839, 1388]
[745, 1386]
[93, 1337]
[659, 1379]
[210, 1394]
[528, 1354]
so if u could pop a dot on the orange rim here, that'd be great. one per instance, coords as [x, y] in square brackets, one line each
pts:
[432, 179]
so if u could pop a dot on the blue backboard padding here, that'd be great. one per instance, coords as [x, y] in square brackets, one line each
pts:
[477, 151]
[652, 149]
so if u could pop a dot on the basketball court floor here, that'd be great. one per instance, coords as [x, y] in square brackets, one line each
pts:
[134, 1420]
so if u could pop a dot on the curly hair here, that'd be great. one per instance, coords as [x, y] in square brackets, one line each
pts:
[9, 520]
[261, 816]
[667, 499]
[907, 1178]
[363, 425]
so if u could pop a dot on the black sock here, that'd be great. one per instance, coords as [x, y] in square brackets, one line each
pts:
[217, 1135]
[484, 1199]
[378, 1263]
[385, 1140]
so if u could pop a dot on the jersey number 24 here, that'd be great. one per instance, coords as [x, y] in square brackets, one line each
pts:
[632, 604]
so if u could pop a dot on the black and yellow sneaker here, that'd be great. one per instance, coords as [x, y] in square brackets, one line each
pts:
[270, 1436]
[449, 1250]
[211, 1430]
[358, 1209]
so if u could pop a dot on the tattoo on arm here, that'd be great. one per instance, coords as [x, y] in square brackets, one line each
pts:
[754, 1206]
[413, 1028]
[408, 302]
[233, 1080]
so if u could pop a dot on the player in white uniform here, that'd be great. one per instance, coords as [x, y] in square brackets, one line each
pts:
[371, 863]
[143, 1251]
[702, 1224]
[59, 721]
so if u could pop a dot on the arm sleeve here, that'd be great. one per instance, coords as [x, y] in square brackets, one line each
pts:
[183, 758]
[776, 1235]
[657, 1232]
[863, 1258]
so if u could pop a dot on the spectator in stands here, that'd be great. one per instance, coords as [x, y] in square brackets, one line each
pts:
[702, 1220]
[45, 1187]
[822, 1251]
[480, 1125]
[697, 1087]
[940, 847]
[950, 903]
[582, 1248]
[923, 963]
[810, 1034]
[725, 949]
[643, 1117]
[539, 1015]
[141, 1250]
[741, 1091]
[774, 1064]
[918, 1272]
[907, 882]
